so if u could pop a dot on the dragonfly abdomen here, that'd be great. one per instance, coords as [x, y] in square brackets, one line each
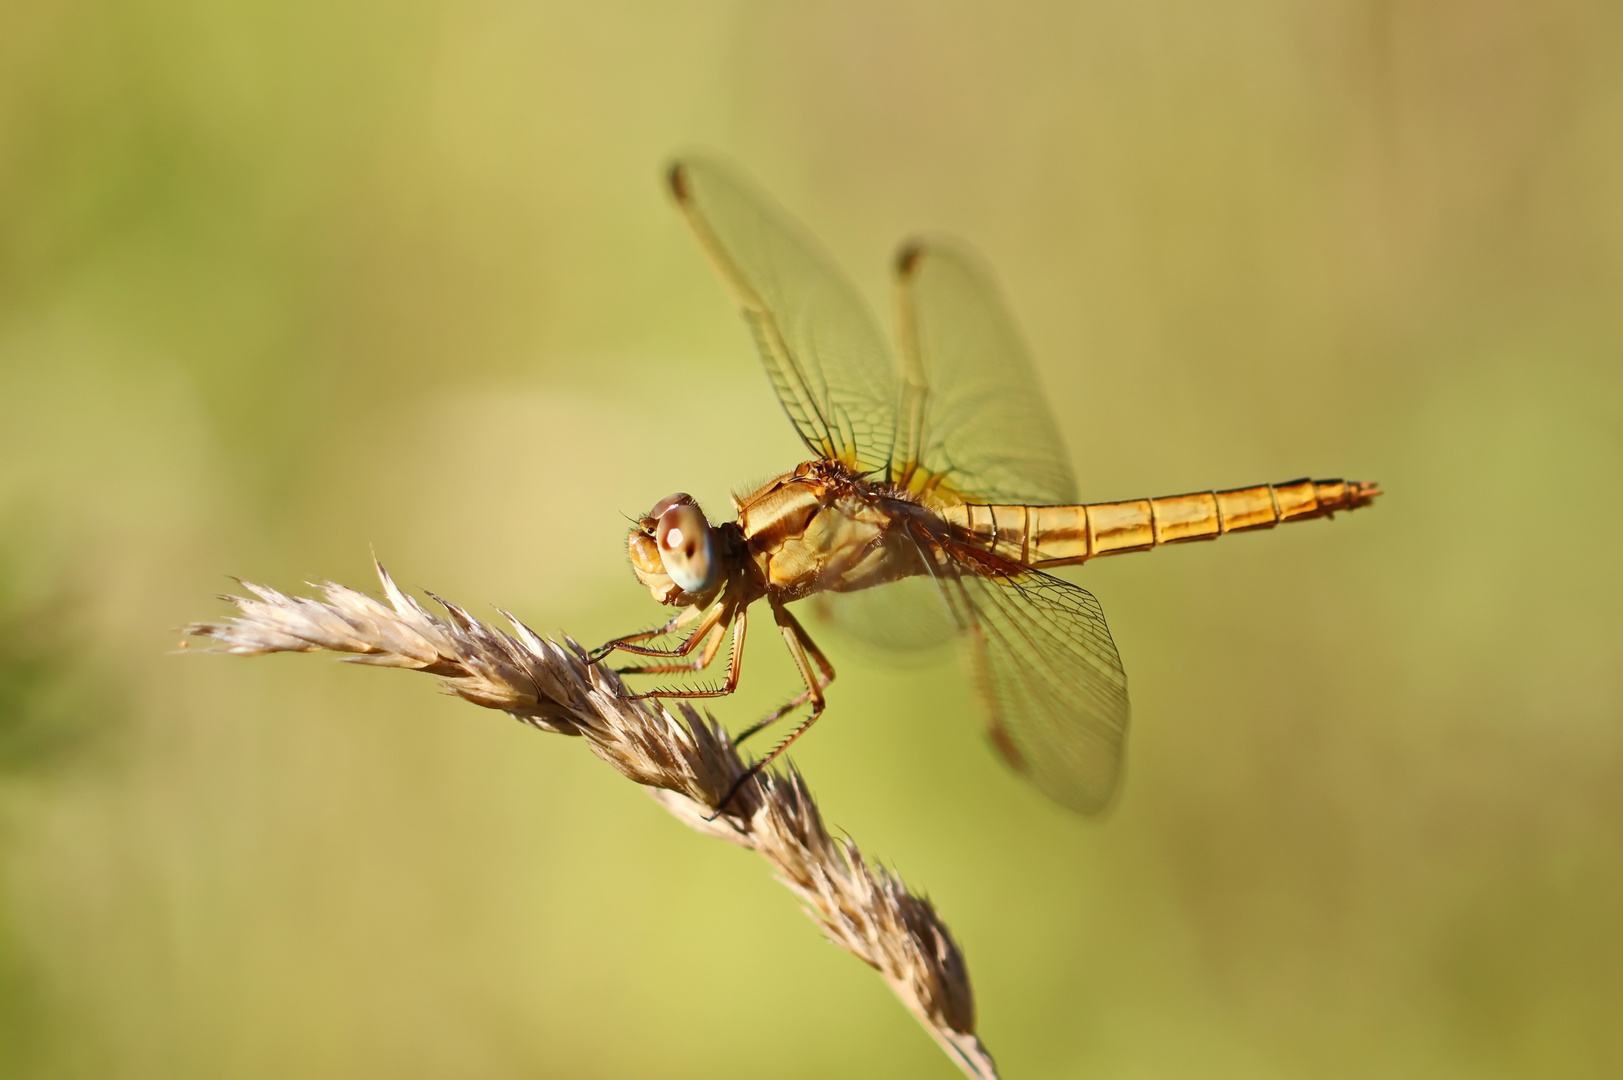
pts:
[1049, 536]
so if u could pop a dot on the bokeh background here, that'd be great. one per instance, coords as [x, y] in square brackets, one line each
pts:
[280, 281]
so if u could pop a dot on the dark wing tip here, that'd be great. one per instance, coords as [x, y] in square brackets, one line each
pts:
[909, 257]
[1005, 746]
[677, 178]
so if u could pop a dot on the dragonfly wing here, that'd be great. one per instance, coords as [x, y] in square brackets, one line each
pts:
[972, 409]
[906, 616]
[1049, 675]
[822, 349]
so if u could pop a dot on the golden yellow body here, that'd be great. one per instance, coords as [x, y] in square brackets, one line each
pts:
[820, 527]
[1048, 536]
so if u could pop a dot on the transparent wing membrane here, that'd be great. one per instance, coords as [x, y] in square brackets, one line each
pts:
[972, 409]
[1049, 676]
[823, 351]
[906, 616]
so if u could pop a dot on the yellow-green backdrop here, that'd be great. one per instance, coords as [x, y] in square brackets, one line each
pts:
[283, 279]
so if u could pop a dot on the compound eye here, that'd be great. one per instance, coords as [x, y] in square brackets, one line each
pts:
[681, 498]
[685, 546]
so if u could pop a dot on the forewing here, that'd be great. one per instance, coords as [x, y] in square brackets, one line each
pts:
[822, 349]
[972, 409]
[1049, 675]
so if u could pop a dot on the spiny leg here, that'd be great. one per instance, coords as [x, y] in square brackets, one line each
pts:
[826, 676]
[676, 622]
[712, 645]
[799, 643]
[707, 618]
[734, 664]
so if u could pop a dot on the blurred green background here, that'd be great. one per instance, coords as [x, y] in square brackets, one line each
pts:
[283, 280]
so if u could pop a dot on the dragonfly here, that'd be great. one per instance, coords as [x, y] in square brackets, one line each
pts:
[937, 499]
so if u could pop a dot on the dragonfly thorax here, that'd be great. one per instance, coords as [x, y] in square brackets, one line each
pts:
[825, 527]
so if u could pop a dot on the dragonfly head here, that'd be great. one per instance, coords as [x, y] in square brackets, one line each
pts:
[673, 550]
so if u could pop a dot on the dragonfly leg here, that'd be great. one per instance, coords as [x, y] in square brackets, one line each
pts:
[674, 623]
[802, 648]
[753, 770]
[712, 647]
[706, 619]
[800, 640]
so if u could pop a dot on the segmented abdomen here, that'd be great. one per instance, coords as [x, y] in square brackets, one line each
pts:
[1049, 536]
